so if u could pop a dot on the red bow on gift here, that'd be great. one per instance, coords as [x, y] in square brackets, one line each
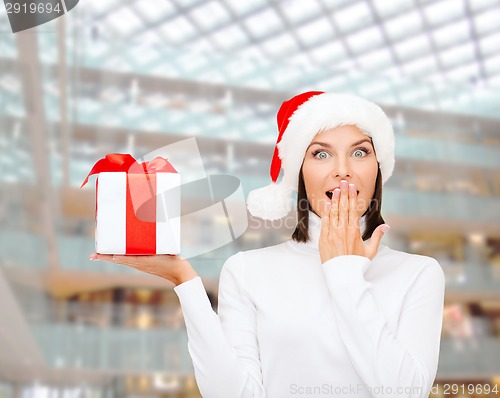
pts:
[125, 162]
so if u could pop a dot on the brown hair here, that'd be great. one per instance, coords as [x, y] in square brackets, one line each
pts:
[373, 216]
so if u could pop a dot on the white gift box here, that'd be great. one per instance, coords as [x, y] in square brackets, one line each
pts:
[137, 210]
[111, 217]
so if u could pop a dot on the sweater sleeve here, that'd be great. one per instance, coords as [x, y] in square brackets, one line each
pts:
[223, 347]
[400, 363]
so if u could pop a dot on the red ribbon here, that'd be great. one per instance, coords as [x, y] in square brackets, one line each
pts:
[125, 162]
[141, 180]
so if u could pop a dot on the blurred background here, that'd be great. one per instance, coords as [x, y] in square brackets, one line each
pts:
[131, 76]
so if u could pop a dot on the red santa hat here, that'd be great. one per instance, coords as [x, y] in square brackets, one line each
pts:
[299, 119]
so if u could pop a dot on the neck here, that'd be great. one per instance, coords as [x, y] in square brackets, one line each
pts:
[315, 229]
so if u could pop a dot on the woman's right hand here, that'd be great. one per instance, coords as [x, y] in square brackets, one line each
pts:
[168, 266]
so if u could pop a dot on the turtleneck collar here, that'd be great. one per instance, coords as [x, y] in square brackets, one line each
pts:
[315, 229]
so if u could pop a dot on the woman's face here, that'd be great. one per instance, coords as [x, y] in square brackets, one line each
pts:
[337, 154]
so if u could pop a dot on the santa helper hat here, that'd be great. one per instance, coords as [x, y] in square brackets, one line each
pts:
[299, 119]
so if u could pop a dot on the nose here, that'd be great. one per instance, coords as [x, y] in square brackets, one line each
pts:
[341, 169]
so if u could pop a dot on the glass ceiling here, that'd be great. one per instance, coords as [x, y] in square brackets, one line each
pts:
[426, 54]
[451, 40]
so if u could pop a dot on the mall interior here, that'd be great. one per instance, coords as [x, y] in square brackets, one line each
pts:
[136, 76]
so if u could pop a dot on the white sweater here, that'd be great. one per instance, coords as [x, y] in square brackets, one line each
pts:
[290, 326]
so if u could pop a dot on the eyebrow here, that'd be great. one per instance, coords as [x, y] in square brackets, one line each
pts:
[325, 144]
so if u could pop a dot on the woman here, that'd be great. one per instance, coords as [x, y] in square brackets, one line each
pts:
[330, 312]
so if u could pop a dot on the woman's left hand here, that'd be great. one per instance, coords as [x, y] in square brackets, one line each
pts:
[340, 234]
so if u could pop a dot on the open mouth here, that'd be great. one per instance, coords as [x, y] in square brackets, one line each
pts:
[329, 194]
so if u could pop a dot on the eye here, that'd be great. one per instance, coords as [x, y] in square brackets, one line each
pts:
[359, 150]
[323, 154]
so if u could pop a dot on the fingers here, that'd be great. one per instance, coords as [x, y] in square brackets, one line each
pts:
[113, 258]
[376, 238]
[147, 263]
[353, 211]
[330, 213]
[334, 211]
[325, 212]
[343, 212]
[103, 257]
[344, 205]
[325, 218]
[335, 214]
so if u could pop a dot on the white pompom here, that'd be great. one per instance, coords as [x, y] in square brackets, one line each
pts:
[271, 202]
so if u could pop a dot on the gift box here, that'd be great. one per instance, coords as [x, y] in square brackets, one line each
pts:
[137, 206]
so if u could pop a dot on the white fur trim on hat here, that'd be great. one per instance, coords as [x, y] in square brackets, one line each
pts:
[272, 202]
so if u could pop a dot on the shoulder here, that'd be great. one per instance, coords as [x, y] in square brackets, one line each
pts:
[262, 256]
[402, 258]
[262, 253]
[244, 268]
[413, 266]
